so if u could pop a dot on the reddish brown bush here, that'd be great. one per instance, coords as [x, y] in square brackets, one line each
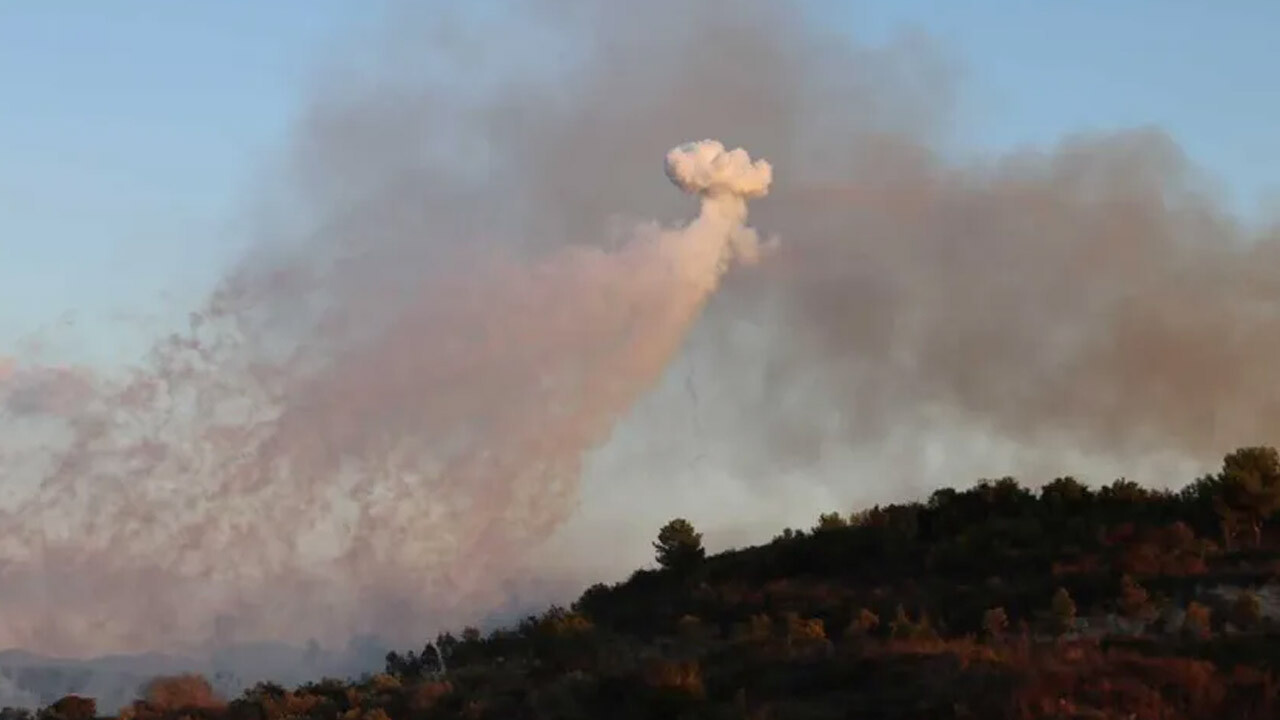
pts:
[681, 675]
[180, 692]
[71, 707]
[425, 695]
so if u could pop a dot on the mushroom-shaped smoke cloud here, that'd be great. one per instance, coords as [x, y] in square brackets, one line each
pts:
[706, 168]
[725, 179]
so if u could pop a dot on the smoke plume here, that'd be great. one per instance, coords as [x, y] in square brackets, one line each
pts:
[454, 341]
[448, 439]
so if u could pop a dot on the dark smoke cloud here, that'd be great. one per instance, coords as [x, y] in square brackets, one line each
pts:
[384, 410]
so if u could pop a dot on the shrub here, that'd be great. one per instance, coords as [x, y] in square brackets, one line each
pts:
[180, 692]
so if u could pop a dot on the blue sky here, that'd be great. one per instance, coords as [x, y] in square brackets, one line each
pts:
[132, 130]
[1034, 70]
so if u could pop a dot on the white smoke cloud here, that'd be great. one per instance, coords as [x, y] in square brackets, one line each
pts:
[725, 180]
[706, 168]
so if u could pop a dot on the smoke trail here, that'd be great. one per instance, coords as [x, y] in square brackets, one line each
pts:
[409, 469]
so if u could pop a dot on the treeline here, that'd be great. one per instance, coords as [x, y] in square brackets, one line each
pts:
[1122, 575]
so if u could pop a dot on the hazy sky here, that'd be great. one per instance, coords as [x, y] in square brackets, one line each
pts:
[132, 131]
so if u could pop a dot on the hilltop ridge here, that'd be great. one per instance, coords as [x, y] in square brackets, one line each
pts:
[991, 602]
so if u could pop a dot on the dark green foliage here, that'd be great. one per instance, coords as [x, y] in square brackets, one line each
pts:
[1248, 489]
[679, 546]
[831, 521]
[415, 665]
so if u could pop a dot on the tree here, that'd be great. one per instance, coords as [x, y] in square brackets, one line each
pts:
[71, 707]
[1199, 501]
[787, 535]
[415, 666]
[1062, 611]
[1249, 488]
[1065, 494]
[679, 546]
[830, 521]
[1004, 495]
[180, 692]
[1125, 501]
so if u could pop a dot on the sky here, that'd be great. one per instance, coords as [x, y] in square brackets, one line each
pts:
[132, 132]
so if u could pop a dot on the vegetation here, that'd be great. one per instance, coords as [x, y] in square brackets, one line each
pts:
[988, 603]
[679, 546]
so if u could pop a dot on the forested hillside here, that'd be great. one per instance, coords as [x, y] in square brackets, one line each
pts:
[991, 602]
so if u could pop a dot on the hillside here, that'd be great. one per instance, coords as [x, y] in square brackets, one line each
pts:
[991, 602]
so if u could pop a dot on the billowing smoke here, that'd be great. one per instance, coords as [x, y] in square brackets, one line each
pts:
[387, 479]
[453, 315]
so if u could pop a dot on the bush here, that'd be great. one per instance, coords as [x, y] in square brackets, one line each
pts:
[180, 692]
[71, 707]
